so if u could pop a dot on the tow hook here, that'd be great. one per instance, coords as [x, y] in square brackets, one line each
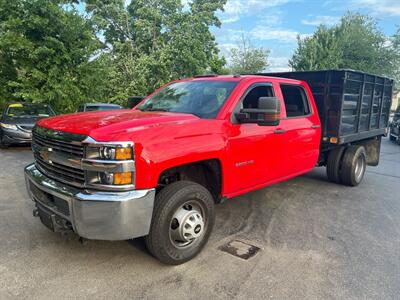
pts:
[35, 212]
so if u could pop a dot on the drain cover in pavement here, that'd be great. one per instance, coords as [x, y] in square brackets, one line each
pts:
[240, 249]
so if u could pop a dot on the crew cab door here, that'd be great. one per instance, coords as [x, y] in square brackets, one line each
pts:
[255, 152]
[300, 128]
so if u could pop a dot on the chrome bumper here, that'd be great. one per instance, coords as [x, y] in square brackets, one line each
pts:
[94, 215]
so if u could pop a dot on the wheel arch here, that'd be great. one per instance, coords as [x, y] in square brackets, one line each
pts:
[207, 173]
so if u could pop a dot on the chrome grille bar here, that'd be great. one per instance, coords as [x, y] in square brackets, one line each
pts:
[61, 157]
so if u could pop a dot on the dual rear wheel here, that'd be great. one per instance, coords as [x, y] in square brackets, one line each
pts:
[347, 165]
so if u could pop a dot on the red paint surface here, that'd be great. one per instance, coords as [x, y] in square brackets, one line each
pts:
[251, 156]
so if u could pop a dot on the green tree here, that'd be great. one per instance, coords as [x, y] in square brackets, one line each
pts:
[45, 53]
[153, 42]
[355, 43]
[247, 59]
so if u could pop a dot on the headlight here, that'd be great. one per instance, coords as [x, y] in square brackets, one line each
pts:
[110, 153]
[8, 126]
[110, 164]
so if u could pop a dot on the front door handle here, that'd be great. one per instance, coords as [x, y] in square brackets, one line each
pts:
[315, 126]
[279, 131]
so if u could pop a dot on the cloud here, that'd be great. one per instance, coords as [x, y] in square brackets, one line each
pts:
[378, 8]
[270, 33]
[244, 7]
[278, 64]
[390, 7]
[235, 9]
[232, 19]
[318, 20]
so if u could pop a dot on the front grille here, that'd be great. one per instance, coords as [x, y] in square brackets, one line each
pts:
[60, 172]
[63, 144]
[57, 145]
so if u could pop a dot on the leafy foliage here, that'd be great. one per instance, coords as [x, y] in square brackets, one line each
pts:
[153, 42]
[45, 52]
[246, 59]
[51, 52]
[355, 43]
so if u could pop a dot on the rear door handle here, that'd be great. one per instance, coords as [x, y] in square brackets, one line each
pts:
[279, 131]
[315, 126]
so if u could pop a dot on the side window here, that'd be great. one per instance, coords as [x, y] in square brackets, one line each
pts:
[296, 101]
[251, 99]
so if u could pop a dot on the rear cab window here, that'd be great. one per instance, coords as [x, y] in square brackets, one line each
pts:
[296, 101]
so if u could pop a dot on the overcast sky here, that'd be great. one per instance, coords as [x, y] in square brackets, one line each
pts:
[275, 24]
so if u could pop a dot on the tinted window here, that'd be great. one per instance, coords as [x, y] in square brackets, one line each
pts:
[201, 98]
[251, 99]
[296, 101]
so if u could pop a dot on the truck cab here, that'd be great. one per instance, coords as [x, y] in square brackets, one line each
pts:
[158, 169]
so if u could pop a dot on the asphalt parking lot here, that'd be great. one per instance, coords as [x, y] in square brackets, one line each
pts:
[318, 240]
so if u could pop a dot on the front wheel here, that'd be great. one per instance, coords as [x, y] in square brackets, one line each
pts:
[183, 218]
[3, 145]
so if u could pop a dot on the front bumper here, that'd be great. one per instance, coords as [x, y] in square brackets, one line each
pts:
[94, 215]
[16, 136]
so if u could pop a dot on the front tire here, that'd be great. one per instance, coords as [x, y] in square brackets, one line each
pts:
[353, 166]
[183, 218]
[3, 145]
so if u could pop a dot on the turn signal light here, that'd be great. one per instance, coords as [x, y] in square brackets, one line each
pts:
[333, 140]
[122, 178]
[123, 154]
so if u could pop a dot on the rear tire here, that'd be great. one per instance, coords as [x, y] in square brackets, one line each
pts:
[353, 165]
[333, 164]
[183, 218]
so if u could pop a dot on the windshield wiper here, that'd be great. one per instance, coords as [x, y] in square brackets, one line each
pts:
[155, 109]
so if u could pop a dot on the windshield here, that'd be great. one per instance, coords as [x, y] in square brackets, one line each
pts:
[201, 98]
[29, 110]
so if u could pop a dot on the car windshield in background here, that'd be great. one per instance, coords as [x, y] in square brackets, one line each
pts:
[100, 107]
[201, 98]
[29, 110]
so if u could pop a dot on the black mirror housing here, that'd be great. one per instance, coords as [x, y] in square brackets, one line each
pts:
[134, 100]
[266, 114]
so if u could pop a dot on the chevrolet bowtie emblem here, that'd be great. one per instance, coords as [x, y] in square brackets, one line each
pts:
[45, 154]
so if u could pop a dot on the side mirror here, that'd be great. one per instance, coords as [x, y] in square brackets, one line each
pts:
[266, 114]
[134, 100]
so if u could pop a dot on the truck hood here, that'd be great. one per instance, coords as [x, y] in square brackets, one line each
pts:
[102, 125]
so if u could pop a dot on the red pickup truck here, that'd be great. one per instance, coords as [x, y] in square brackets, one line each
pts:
[158, 170]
